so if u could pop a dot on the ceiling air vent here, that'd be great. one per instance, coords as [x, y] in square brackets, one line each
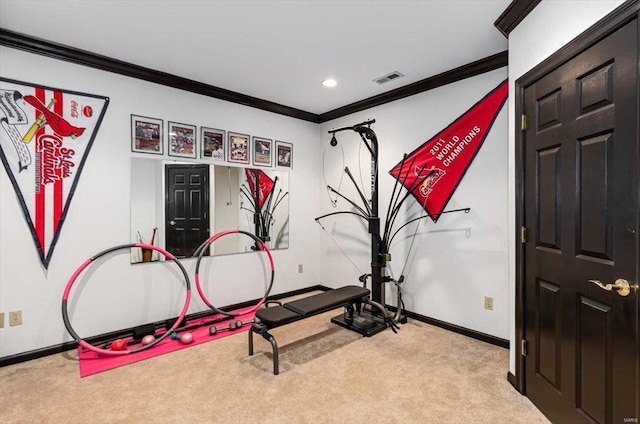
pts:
[393, 75]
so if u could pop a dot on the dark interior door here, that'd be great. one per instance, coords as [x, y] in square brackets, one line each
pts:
[186, 208]
[581, 212]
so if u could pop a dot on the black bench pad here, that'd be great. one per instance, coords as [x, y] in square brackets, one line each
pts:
[327, 301]
[276, 316]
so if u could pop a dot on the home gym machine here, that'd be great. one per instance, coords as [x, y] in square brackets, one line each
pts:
[378, 317]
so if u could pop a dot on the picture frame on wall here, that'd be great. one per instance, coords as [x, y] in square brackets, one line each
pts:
[284, 154]
[212, 141]
[182, 140]
[146, 135]
[238, 147]
[262, 151]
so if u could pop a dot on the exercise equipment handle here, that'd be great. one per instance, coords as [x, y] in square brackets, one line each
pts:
[353, 127]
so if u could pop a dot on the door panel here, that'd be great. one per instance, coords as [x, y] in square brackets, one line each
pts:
[549, 333]
[548, 186]
[581, 206]
[594, 220]
[594, 382]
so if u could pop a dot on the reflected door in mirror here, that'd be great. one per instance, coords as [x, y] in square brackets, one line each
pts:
[187, 206]
[201, 200]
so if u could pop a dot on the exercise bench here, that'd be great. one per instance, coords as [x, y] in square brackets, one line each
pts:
[277, 316]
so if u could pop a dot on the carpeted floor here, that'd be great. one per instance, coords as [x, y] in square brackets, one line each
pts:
[423, 374]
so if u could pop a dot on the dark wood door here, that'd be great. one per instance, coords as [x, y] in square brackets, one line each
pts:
[186, 208]
[581, 213]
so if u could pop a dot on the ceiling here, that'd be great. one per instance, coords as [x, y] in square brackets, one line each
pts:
[278, 51]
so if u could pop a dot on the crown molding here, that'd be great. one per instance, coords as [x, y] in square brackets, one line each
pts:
[93, 60]
[514, 14]
[85, 58]
[472, 69]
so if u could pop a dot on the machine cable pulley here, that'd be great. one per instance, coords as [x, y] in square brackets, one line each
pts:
[362, 211]
[334, 202]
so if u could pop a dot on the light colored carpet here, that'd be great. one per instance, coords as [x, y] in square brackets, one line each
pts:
[423, 374]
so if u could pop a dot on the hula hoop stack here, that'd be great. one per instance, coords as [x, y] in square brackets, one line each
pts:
[86, 264]
[171, 332]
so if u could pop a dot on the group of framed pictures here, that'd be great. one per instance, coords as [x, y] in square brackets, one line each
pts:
[215, 144]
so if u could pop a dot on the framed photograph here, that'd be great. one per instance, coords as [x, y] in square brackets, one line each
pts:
[212, 141]
[262, 148]
[146, 135]
[284, 154]
[182, 140]
[238, 147]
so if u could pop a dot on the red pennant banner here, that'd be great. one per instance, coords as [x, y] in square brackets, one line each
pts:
[433, 171]
[265, 185]
[45, 138]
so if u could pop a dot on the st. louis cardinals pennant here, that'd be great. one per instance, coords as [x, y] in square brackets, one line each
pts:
[45, 139]
[433, 171]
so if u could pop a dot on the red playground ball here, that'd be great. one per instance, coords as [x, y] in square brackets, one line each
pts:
[148, 339]
[186, 338]
[118, 344]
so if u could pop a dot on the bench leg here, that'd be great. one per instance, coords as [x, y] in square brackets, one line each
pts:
[274, 346]
[276, 356]
[251, 340]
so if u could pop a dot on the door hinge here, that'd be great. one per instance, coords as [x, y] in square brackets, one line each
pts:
[524, 122]
[523, 235]
[523, 347]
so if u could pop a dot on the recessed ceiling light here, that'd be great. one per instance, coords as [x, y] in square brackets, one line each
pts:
[330, 82]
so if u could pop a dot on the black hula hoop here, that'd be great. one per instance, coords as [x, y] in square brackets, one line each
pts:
[74, 277]
[261, 246]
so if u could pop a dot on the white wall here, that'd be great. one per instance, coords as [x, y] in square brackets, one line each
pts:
[551, 25]
[454, 262]
[119, 295]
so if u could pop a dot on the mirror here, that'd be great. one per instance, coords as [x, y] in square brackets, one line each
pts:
[177, 206]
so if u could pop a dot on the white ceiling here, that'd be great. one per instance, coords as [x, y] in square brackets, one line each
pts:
[274, 50]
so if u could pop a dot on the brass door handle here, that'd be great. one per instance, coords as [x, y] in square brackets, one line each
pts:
[621, 286]
[172, 222]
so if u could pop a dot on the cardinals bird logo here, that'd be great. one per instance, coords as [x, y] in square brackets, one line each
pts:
[46, 117]
[427, 185]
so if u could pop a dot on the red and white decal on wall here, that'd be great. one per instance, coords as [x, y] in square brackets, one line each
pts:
[441, 162]
[45, 139]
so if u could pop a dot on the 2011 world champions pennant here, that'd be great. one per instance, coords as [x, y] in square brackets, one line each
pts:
[45, 139]
[433, 171]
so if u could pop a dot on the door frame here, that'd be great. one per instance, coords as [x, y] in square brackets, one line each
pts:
[621, 16]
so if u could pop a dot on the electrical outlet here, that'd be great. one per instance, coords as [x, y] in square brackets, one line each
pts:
[1, 319]
[299, 268]
[488, 303]
[15, 318]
